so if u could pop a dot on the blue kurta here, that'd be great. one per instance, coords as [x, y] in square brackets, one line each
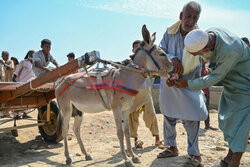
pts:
[232, 68]
[181, 103]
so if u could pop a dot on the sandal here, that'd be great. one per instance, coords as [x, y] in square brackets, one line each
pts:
[167, 153]
[193, 162]
[138, 144]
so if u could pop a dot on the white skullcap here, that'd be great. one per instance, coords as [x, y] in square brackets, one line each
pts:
[196, 40]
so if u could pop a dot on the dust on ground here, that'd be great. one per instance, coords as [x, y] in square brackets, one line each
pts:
[99, 137]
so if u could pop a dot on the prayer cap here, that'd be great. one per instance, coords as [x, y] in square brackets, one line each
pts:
[196, 40]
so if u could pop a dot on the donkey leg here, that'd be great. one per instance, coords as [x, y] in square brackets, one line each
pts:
[77, 127]
[135, 158]
[120, 135]
[66, 114]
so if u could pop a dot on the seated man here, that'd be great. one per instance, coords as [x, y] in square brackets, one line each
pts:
[42, 58]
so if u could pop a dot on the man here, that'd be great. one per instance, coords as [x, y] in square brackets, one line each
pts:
[184, 104]
[42, 58]
[8, 66]
[231, 57]
[148, 109]
[71, 56]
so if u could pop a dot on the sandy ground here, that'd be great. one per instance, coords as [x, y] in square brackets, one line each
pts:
[99, 136]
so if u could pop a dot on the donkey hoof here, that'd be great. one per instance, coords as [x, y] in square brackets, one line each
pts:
[129, 163]
[68, 161]
[88, 157]
[136, 160]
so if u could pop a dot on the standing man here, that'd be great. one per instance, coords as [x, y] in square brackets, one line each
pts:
[8, 66]
[184, 104]
[148, 110]
[231, 57]
[42, 58]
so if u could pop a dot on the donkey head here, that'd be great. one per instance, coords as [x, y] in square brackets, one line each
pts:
[151, 56]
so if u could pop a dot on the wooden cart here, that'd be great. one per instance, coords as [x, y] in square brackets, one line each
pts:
[36, 94]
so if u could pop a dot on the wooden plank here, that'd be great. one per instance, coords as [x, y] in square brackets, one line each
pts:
[5, 95]
[29, 101]
[46, 78]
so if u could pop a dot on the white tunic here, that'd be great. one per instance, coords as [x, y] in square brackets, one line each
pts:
[181, 103]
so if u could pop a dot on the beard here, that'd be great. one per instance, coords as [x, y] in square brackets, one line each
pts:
[187, 28]
[208, 55]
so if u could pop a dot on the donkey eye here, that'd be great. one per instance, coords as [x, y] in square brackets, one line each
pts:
[162, 54]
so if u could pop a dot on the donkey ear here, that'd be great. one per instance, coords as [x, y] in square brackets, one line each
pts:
[145, 34]
[153, 37]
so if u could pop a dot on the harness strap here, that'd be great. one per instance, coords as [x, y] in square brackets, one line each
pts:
[98, 93]
[69, 84]
[149, 54]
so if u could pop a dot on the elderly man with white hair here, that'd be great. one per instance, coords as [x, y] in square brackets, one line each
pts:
[184, 104]
[231, 59]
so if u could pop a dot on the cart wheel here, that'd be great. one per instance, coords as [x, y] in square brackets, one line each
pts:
[48, 131]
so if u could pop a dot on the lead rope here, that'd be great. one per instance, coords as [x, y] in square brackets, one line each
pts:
[98, 93]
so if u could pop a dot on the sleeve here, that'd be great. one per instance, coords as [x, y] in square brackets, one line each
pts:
[218, 74]
[164, 45]
[36, 58]
[19, 68]
[52, 60]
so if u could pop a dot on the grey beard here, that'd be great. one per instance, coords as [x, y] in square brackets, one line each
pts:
[188, 30]
[208, 55]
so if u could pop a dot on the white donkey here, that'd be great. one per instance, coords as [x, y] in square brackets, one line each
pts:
[77, 98]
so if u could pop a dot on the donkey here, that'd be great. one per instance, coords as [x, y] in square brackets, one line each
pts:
[77, 99]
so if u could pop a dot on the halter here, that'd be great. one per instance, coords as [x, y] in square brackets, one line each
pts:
[152, 58]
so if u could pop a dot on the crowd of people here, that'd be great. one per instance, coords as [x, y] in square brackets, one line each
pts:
[180, 99]
[33, 65]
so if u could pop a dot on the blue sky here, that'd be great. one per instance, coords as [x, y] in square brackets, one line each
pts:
[109, 26]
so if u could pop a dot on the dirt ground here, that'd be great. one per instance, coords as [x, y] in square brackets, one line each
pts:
[99, 136]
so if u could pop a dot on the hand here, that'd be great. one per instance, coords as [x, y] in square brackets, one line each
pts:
[47, 69]
[180, 83]
[178, 68]
[1, 61]
[170, 83]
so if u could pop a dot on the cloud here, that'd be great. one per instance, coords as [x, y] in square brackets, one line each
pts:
[234, 20]
[151, 8]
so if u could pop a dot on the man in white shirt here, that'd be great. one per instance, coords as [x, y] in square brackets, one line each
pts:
[42, 58]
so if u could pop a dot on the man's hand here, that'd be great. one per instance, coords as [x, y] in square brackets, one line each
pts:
[177, 66]
[180, 83]
[170, 83]
[47, 69]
